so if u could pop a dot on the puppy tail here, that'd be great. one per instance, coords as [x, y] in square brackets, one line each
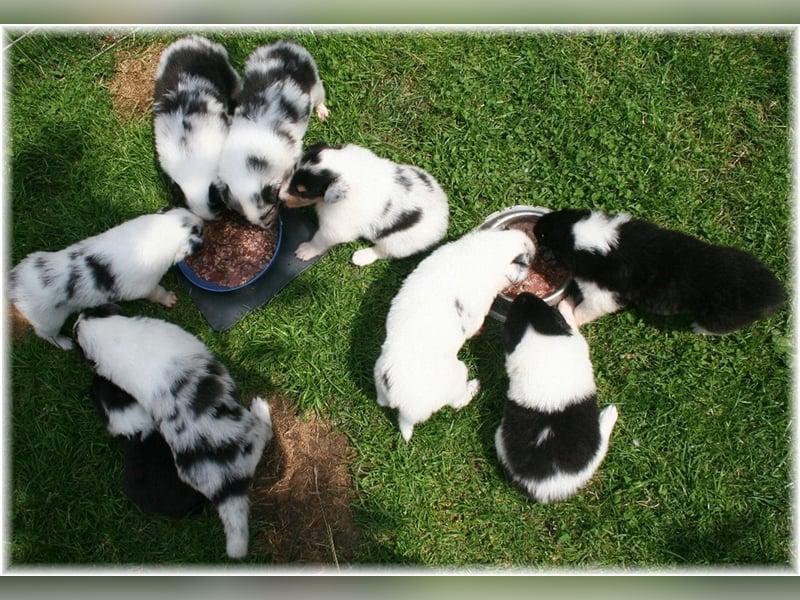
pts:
[260, 408]
[233, 511]
[608, 417]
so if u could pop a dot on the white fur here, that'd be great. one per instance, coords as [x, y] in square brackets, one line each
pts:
[599, 232]
[368, 199]
[265, 132]
[597, 301]
[164, 358]
[425, 329]
[547, 374]
[189, 143]
[138, 253]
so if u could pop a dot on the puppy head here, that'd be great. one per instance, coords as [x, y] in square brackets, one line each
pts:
[181, 229]
[251, 184]
[531, 312]
[311, 182]
[554, 232]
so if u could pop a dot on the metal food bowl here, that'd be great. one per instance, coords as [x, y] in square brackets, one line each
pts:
[211, 286]
[501, 220]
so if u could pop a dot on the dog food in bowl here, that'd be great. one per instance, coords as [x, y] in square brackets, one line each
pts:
[545, 279]
[234, 254]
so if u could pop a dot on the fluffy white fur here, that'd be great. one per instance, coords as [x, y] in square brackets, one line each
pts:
[192, 400]
[126, 262]
[599, 233]
[195, 85]
[266, 134]
[440, 305]
[357, 194]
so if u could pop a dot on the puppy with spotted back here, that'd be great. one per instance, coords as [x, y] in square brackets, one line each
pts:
[280, 88]
[190, 397]
[194, 92]
[150, 478]
[440, 305]
[552, 437]
[617, 261]
[125, 262]
[401, 209]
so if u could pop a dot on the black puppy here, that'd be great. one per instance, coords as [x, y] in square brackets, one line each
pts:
[617, 260]
[150, 478]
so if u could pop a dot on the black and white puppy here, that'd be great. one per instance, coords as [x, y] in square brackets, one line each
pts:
[194, 90]
[441, 304]
[150, 478]
[552, 436]
[617, 260]
[125, 262]
[280, 88]
[357, 194]
[216, 443]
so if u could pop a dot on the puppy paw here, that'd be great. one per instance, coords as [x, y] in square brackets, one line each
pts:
[306, 251]
[365, 256]
[473, 387]
[322, 112]
[170, 299]
[62, 342]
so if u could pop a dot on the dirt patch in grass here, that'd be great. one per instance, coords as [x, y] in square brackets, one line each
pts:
[133, 83]
[302, 491]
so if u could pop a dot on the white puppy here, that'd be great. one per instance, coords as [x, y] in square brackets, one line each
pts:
[440, 305]
[279, 89]
[357, 194]
[195, 85]
[126, 262]
[191, 399]
[552, 436]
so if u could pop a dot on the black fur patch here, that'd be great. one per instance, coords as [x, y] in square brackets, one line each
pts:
[295, 66]
[46, 276]
[424, 177]
[257, 163]
[237, 487]
[526, 311]
[205, 451]
[102, 311]
[108, 397]
[102, 275]
[207, 393]
[401, 179]
[72, 281]
[315, 183]
[405, 220]
[570, 438]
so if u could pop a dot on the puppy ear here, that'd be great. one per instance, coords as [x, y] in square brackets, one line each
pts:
[336, 191]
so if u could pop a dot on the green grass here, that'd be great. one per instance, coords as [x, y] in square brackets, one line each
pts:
[688, 130]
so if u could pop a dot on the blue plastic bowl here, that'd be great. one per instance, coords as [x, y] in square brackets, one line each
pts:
[210, 286]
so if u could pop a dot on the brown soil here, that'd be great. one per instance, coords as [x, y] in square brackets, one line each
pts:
[302, 491]
[133, 83]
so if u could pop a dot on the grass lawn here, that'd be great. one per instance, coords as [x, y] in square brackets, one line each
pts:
[689, 130]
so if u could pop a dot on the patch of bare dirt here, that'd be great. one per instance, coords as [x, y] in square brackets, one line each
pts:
[303, 488]
[133, 83]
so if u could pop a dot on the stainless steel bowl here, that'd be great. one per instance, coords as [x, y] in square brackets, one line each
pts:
[501, 220]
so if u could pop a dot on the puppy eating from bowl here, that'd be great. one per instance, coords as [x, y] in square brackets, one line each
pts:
[617, 261]
[440, 305]
[552, 436]
[400, 208]
[126, 262]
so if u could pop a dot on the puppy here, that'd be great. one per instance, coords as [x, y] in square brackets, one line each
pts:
[400, 208]
[126, 262]
[617, 260]
[440, 305]
[280, 88]
[194, 90]
[190, 396]
[552, 437]
[149, 477]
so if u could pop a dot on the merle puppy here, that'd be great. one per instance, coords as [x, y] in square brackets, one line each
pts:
[126, 262]
[617, 260]
[150, 478]
[280, 88]
[194, 91]
[552, 436]
[357, 194]
[192, 400]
